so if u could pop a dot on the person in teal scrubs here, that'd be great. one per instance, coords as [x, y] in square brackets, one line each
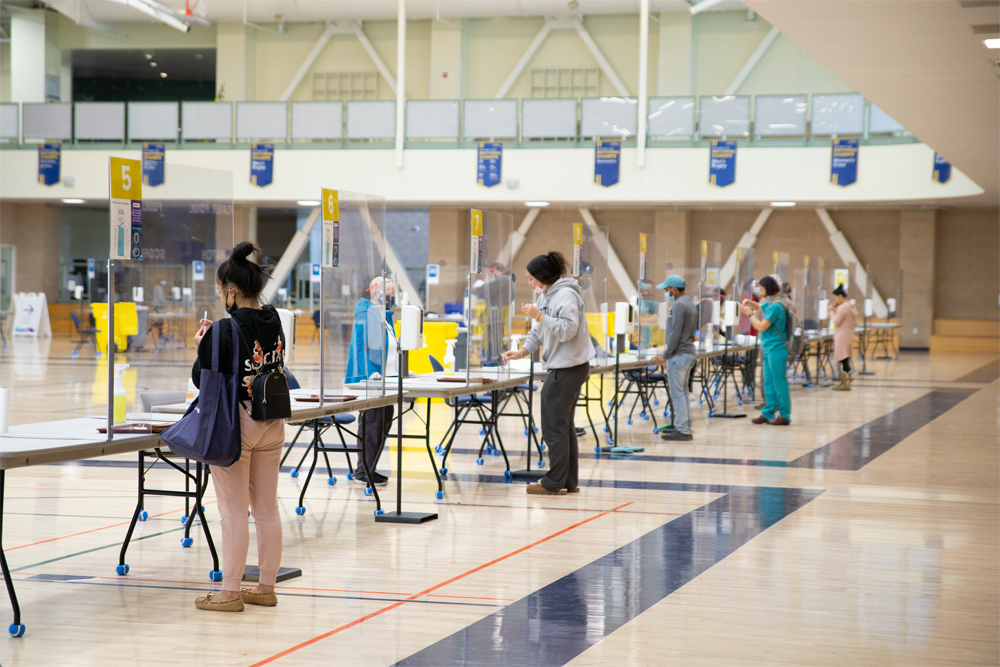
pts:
[769, 318]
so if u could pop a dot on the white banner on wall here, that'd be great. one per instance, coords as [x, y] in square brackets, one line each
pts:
[32, 315]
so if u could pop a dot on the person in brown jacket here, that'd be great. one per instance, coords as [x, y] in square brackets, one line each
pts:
[844, 315]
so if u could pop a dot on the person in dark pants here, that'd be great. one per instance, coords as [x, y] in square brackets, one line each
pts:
[561, 329]
[369, 341]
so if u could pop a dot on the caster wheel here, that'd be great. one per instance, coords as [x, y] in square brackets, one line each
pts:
[379, 512]
[496, 452]
[611, 441]
[184, 520]
[664, 413]
[187, 542]
[508, 474]
[482, 432]
[295, 473]
[122, 570]
[215, 575]
[629, 422]
[656, 401]
[350, 475]
[526, 431]
[439, 495]
[368, 491]
[479, 462]
[443, 471]
[331, 480]
[541, 446]
[606, 429]
[656, 430]
[300, 510]
[541, 464]
[143, 515]
[16, 630]
[536, 429]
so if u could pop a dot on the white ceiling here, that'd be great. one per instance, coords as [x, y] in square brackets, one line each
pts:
[920, 61]
[260, 11]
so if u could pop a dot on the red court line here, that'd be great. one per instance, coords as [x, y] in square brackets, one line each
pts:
[93, 530]
[431, 589]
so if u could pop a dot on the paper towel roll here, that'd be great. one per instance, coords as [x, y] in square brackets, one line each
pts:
[869, 308]
[730, 313]
[4, 410]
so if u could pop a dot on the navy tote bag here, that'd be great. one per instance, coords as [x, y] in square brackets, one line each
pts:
[209, 432]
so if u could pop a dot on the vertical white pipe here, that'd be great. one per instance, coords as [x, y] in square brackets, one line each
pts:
[400, 81]
[643, 77]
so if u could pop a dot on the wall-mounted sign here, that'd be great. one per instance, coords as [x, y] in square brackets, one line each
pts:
[607, 162]
[48, 163]
[261, 164]
[844, 162]
[489, 163]
[722, 163]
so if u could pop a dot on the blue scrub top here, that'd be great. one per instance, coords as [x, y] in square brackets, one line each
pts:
[774, 313]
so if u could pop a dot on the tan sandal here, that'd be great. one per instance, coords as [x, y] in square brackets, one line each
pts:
[208, 604]
[262, 599]
[538, 489]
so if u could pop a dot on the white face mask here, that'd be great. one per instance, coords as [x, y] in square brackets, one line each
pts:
[539, 290]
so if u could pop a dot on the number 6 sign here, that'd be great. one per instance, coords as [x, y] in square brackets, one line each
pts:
[331, 228]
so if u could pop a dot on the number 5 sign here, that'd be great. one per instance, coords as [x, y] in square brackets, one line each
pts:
[331, 228]
[126, 208]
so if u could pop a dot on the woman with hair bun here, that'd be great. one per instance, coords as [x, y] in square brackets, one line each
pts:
[769, 318]
[844, 316]
[252, 482]
[561, 329]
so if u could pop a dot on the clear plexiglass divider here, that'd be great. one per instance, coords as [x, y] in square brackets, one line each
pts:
[358, 339]
[165, 290]
[650, 333]
[738, 326]
[492, 289]
[709, 292]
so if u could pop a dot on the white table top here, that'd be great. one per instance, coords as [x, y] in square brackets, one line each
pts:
[71, 440]
[427, 386]
[303, 411]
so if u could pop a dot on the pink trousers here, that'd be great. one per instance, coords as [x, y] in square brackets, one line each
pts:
[251, 482]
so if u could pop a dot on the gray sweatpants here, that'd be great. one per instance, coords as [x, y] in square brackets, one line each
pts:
[559, 396]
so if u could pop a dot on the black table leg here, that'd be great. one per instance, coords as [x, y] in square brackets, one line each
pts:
[16, 628]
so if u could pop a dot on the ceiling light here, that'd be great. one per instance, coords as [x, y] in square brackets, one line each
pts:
[149, 56]
[309, 202]
[993, 43]
[163, 75]
[152, 64]
[72, 201]
[782, 203]
[536, 204]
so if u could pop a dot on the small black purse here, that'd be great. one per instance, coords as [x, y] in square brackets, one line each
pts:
[269, 397]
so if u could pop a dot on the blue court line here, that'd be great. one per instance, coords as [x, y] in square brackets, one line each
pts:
[73, 580]
[87, 551]
[555, 624]
[854, 450]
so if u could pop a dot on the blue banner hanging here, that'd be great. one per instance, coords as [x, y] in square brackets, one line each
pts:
[844, 162]
[153, 169]
[722, 163]
[942, 169]
[261, 164]
[607, 162]
[490, 159]
[48, 163]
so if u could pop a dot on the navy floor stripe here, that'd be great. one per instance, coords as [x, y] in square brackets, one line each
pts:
[985, 374]
[555, 624]
[854, 450]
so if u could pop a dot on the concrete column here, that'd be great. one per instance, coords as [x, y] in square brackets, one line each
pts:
[446, 60]
[675, 54]
[236, 61]
[916, 263]
[672, 230]
[27, 55]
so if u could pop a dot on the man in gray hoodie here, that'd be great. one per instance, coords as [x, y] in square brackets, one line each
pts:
[563, 333]
[678, 355]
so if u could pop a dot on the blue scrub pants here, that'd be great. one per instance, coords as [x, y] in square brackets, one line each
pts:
[775, 371]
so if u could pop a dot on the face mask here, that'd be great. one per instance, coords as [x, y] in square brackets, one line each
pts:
[757, 291]
[231, 308]
[670, 296]
[539, 290]
[390, 302]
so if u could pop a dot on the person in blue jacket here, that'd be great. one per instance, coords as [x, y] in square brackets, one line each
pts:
[369, 341]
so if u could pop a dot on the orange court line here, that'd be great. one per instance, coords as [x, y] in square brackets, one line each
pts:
[93, 530]
[431, 589]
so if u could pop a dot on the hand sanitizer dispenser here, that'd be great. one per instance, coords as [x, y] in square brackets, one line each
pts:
[449, 357]
[121, 398]
[411, 329]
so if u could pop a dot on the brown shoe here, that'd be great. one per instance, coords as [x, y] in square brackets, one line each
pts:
[575, 489]
[779, 421]
[540, 490]
[262, 599]
[208, 604]
[759, 420]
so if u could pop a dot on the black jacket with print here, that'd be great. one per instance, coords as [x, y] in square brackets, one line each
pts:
[260, 331]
